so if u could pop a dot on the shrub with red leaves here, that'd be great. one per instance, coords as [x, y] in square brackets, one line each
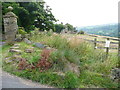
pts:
[22, 64]
[46, 53]
[44, 64]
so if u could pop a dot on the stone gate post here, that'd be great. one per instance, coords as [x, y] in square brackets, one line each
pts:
[10, 25]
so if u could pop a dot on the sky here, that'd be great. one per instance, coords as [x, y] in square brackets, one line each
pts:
[85, 12]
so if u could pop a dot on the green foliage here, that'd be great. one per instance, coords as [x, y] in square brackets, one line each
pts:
[58, 60]
[22, 31]
[34, 32]
[35, 59]
[61, 57]
[81, 32]
[71, 80]
[96, 80]
[28, 12]
[94, 67]
[69, 26]
[72, 56]
[59, 27]
[58, 42]
[50, 33]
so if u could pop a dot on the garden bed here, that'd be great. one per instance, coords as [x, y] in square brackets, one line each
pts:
[70, 65]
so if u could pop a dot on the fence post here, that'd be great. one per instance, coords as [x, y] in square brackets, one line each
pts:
[95, 43]
[107, 47]
[107, 51]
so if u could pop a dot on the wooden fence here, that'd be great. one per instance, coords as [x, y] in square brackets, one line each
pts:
[106, 43]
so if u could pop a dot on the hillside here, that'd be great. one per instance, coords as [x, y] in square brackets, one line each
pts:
[104, 30]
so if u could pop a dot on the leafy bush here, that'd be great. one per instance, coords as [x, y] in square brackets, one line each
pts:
[58, 42]
[22, 31]
[58, 60]
[22, 64]
[71, 56]
[43, 63]
[71, 80]
[34, 59]
[50, 32]
[35, 32]
[81, 32]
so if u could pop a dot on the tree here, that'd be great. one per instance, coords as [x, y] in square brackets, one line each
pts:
[59, 27]
[28, 12]
[70, 27]
[45, 19]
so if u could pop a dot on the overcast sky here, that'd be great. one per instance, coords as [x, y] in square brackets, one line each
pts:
[85, 12]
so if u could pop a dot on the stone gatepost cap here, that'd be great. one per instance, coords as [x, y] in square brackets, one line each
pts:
[10, 8]
[10, 14]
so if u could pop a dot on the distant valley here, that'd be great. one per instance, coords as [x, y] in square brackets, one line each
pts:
[104, 30]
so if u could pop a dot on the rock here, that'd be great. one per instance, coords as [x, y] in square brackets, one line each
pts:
[29, 50]
[39, 45]
[14, 50]
[32, 47]
[18, 39]
[48, 48]
[9, 61]
[14, 47]
[72, 67]
[27, 35]
[7, 58]
[16, 57]
[27, 41]
[59, 73]
[115, 74]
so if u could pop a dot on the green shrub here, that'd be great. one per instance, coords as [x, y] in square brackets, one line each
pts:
[58, 60]
[35, 59]
[58, 42]
[34, 33]
[21, 31]
[81, 32]
[71, 80]
[72, 56]
[49, 33]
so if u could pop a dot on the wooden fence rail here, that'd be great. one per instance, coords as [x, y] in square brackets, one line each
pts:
[107, 43]
[111, 38]
[99, 41]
